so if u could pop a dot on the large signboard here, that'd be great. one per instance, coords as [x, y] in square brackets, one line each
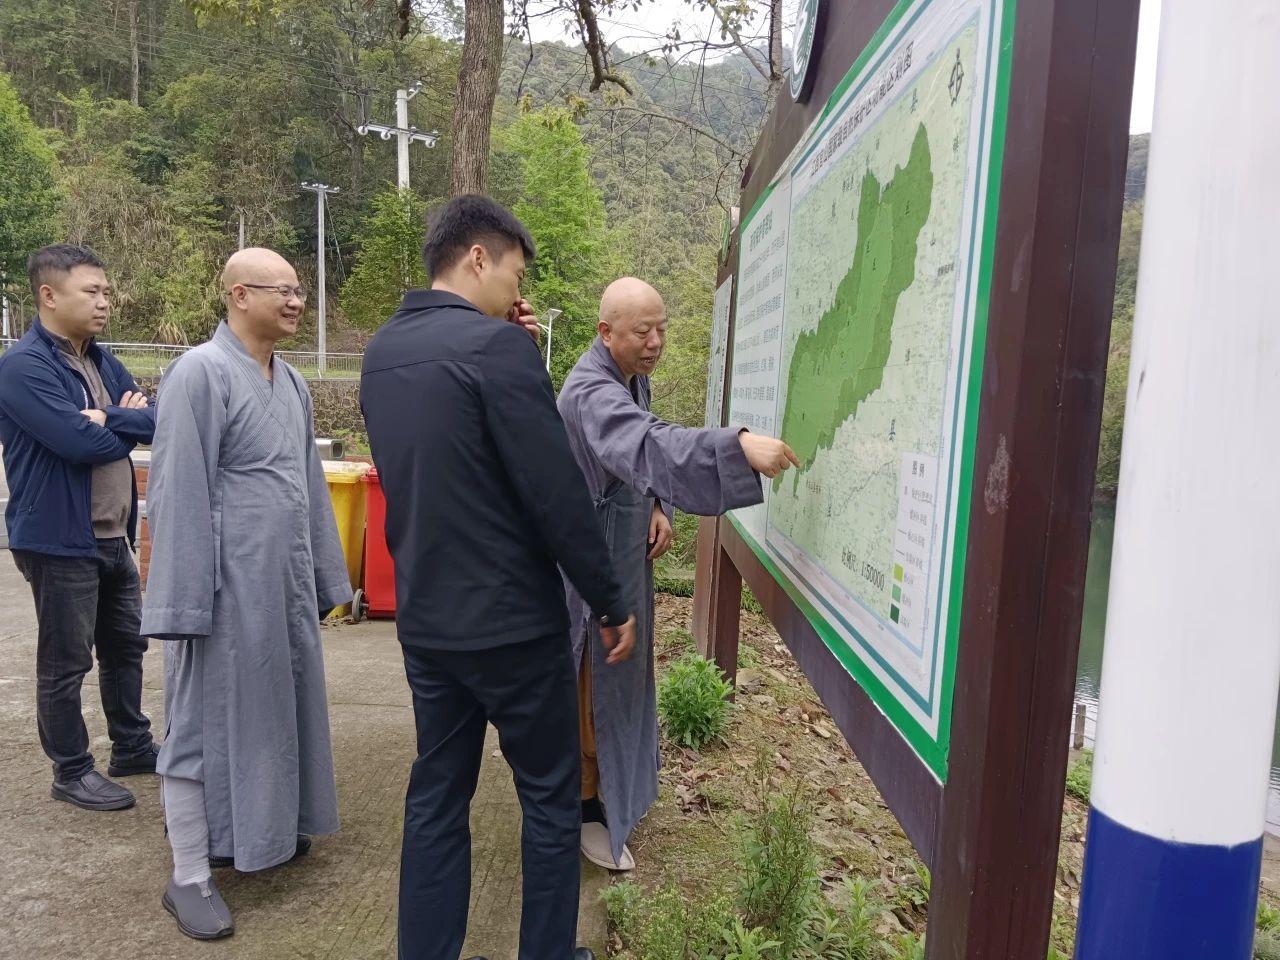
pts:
[860, 324]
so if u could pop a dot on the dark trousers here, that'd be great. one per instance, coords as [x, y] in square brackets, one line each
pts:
[83, 605]
[527, 691]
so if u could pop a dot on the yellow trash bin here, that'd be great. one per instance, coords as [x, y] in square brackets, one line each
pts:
[347, 493]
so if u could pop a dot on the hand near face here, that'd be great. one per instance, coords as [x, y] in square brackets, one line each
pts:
[522, 315]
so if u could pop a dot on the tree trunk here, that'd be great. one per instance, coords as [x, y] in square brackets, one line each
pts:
[775, 55]
[135, 59]
[477, 89]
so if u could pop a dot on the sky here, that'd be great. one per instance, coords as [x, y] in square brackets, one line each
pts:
[644, 30]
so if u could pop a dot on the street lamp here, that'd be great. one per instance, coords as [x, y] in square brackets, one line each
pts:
[551, 318]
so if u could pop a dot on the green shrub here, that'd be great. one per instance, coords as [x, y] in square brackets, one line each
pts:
[778, 885]
[673, 584]
[669, 925]
[908, 947]
[849, 933]
[749, 943]
[693, 701]
[1268, 917]
[1080, 777]
[623, 903]
[1266, 947]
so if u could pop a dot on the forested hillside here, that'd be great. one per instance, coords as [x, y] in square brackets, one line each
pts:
[154, 139]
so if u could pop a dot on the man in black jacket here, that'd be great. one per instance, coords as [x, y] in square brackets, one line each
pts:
[484, 499]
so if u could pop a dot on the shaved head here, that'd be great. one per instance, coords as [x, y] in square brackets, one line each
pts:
[633, 325]
[627, 299]
[264, 300]
[257, 265]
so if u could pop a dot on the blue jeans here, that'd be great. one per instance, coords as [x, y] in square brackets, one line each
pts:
[83, 605]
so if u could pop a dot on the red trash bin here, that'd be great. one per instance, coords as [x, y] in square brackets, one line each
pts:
[378, 598]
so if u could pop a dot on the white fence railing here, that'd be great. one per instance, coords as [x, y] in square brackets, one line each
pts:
[151, 359]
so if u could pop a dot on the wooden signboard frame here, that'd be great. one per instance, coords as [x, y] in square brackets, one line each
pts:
[990, 830]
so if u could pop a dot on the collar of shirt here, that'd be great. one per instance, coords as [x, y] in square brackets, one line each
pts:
[69, 348]
[436, 299]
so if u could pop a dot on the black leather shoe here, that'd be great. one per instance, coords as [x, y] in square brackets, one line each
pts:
[93, 791]
[221, 863]
[146, 763]
[582, 953]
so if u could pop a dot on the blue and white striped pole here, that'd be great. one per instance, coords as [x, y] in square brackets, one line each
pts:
[1192, 659]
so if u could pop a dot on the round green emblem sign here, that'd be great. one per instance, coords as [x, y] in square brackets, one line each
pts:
[803, 34]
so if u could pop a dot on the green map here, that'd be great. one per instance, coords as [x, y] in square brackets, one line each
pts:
[876, 250]
[850, 346]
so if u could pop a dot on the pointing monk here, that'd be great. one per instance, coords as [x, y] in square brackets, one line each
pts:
[638, 469]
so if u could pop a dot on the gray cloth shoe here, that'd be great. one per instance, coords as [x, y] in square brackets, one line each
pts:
[93, 791]
[201, 912]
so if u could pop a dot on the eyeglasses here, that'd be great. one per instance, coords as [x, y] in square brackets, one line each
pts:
[282, 289]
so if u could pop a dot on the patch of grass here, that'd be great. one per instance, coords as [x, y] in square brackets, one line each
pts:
[1080, 777]
[674, 584]
[1268, 917]
[909, 946]
[750, 603]
[693, 701]
[1266, 947]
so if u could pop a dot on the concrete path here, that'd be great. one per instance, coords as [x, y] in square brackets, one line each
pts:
[86, 886]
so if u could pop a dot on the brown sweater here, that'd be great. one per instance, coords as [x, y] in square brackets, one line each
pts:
[112, 497]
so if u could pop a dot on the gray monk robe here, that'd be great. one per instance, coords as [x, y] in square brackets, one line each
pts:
[245, 558]
[630, 457]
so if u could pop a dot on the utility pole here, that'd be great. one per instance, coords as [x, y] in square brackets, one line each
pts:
[551, 318]
[241, 229]
[321, 190]
[403, 133]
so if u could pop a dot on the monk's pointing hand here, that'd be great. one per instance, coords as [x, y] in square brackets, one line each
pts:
[767, 455]
[619, 641]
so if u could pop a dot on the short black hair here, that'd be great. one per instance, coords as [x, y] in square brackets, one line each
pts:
[466, 221]
[47, 262]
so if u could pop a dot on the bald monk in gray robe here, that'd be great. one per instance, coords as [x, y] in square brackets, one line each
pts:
[638, 467]
[245, 560]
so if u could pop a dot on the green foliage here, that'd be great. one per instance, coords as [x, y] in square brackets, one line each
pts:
[693, 701]
[1117, 382]
[750, 944]
[675, 584]
[915, 892]
[1080, 777]
[1268, 917]
[389, 261]
[775, 908]
[1266, 947]
[623, 902]
[29, 199]
[847, 930]
[668, 925]
[908, 947]
[562, 208]
[778, 886]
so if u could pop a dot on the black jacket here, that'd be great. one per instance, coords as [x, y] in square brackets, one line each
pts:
[484, 498]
